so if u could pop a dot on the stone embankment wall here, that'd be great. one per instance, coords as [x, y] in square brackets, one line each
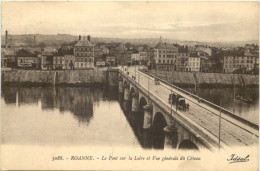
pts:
[178, 78]
[207, 79]
[61, 77]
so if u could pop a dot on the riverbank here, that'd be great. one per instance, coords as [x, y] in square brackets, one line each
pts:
[110, 77]
[66, 77]
[200, 79]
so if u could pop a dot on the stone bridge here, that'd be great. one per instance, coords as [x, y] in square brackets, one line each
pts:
[157, 121]
[203, 126]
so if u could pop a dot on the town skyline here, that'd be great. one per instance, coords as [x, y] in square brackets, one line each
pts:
[181, 21]
[123, 38]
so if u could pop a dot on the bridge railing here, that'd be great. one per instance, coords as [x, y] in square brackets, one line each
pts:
[167, 86]
[158, 101]
[223, 110]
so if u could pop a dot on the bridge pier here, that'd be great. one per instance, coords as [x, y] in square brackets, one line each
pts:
[171, 137]
[148, 116]
[127, 92]
[147, 138]
[120, 85]
[147, 125]
[135, 101]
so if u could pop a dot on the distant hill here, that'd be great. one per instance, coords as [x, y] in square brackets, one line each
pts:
[60, 39]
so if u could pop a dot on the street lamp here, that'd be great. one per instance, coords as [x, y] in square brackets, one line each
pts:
[219, 128]
[233, 90]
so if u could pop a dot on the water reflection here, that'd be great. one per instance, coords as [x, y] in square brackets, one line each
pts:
[89, 115]
[78, 101]
[148, 138]
[47, 115]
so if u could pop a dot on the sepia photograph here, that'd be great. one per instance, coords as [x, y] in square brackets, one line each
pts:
[129, 85]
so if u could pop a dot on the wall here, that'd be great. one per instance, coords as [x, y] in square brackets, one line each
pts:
[207, 79]
[61, 77]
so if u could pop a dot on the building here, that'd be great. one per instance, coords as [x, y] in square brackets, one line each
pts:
[49, 49]
[101, 63]
[26, 59]
[201, 49]
[143, 48]
[46, 60]
[64, 58]
[165, 56]
[123, 57]
[213, 64]
[69, 58]
[251, 48]
[144, 57]
[182, 61]
[205, 64]
[84, 53]
[8, 58]
[105, 50]
[58, 60]
[111, 61]
[194, 62]
[135, 58]
[244, 62]
[182, 58]
[99, 54]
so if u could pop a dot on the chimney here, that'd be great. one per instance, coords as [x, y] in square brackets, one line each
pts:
[88, 37]
[34, 40]
[6, 38]
[79, 37]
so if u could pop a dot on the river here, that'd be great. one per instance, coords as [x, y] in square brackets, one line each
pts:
[35, 115]
[66, 115]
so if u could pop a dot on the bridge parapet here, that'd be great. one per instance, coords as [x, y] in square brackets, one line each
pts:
[160, 106]
[188, 122]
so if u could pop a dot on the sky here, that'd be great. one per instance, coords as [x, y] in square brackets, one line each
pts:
[191, 21]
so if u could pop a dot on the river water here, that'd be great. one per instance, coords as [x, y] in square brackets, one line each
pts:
[224, 96]
[35, 115]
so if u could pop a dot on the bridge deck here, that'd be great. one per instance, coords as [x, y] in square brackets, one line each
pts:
[233, 132]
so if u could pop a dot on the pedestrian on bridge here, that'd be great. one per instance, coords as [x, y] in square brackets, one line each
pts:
[188, 106]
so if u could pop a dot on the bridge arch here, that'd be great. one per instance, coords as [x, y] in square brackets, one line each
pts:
[159, 123]
[187, 145]
[125, 82]
[142, 103]
[132, 90]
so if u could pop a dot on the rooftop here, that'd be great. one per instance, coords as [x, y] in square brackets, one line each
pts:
[25, 53]
[194, 55]
[234, 53]
[161, 45]
[84, 42]
[8, 52]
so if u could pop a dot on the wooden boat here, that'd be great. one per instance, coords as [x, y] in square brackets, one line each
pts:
[243, 99]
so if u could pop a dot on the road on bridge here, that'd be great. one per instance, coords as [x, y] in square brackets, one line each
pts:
[233, 132]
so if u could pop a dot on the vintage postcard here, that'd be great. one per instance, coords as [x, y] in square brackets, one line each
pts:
[129, 85]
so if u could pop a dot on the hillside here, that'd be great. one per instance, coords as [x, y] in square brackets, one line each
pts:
[60, 39]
